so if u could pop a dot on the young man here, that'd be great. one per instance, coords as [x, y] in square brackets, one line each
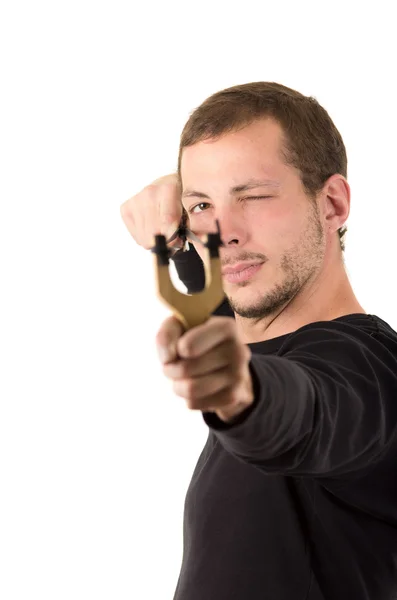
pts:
[294, 495]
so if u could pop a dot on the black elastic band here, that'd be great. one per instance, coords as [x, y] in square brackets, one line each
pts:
[213, 243]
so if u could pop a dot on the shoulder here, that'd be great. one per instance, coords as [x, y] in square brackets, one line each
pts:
[357, 334]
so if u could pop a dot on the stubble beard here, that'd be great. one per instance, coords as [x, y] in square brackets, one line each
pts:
[299, 265]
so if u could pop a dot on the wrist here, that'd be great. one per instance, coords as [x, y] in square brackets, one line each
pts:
[230, 413]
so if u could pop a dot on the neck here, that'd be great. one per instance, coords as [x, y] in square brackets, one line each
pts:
[328, 296]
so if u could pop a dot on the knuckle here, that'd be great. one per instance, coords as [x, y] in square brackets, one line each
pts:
[186, 348]
[241, 353]
[177, 388]
[165, 345]
[185, 369]
[161, 338]
[150, 189]
[192, 404]
[169, 185]
[229, 324]
[126, 210]
[190, 389]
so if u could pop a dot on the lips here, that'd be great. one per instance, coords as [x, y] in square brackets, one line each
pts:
[239, 267]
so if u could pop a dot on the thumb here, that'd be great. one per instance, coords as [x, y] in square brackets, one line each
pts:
[170, 210]
[167, 337]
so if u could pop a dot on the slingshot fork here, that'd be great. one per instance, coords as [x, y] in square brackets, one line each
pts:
[191, 310]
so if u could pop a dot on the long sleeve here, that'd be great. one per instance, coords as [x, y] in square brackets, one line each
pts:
[325, 406]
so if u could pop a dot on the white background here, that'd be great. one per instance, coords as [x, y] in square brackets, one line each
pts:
[96, 452]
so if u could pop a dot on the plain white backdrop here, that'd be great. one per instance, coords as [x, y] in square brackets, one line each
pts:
[96, 452]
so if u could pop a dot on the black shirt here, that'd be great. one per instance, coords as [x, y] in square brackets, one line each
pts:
[297, 500]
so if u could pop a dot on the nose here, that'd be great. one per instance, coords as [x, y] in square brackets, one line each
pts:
[233, 227]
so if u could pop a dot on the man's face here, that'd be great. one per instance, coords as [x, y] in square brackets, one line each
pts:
[271, 221]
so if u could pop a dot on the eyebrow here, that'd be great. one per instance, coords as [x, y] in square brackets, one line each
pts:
[237, 189]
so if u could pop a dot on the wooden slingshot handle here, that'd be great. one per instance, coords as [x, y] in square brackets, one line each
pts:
[191, 310]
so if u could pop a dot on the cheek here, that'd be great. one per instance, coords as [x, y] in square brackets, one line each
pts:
[269, 223]
[281, 222]
[201, 224]
[276, 233]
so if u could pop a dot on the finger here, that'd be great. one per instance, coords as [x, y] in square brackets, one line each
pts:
[170, 207]
[152, 224]
[197, 388]
[217, 358]
[202, 338]
[167, 337]
[135, 221]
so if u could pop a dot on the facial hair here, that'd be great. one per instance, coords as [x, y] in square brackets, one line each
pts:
[298, 264]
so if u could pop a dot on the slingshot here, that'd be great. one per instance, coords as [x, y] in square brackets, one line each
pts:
[195, 309]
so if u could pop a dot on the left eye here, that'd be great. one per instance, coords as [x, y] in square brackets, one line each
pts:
[192, 210]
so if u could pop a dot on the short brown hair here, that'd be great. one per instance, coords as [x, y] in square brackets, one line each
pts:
[313, 144]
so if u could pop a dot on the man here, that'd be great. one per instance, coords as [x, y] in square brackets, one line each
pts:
[294, 495]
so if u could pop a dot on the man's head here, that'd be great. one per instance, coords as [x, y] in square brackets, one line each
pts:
[290, 158]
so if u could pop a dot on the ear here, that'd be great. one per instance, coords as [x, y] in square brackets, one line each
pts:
[336, 202]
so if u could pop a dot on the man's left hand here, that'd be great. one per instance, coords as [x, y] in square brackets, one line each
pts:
[208, 364]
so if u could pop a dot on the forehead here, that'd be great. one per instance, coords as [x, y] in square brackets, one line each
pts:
[255, 146]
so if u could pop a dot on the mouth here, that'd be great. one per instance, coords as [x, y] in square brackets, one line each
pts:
[238, 274]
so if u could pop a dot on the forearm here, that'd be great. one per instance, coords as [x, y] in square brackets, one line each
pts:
[306, 422]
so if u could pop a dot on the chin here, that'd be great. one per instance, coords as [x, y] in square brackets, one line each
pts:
[261, 299]
[245, 295]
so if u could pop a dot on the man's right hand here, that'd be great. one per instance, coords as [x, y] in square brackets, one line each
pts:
[157, 209]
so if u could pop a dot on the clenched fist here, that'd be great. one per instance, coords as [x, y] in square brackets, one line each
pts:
[156, 209]
[208, 364]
